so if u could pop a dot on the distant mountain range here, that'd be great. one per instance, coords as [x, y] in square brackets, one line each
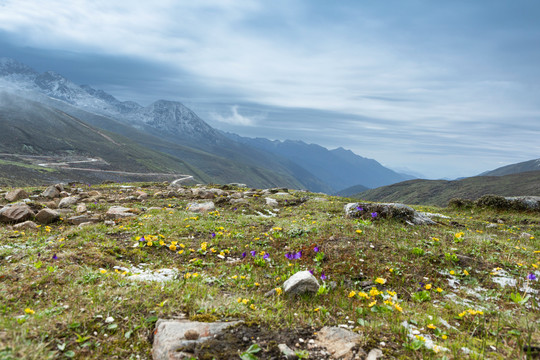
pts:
[531, 165]
[170, 127]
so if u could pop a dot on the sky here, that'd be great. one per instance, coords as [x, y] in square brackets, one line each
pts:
[444, 89]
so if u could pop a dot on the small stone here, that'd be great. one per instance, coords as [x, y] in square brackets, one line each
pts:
[68, 202]
[287, 352]
[81, 208]
[271, 202]
[16, 194]
[201, 207]
[374, 354]
[27, 225]
[339, 342]
[300, 283]
[119, 212]
[51, 192]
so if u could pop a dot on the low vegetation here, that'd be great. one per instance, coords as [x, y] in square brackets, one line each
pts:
[466, 286]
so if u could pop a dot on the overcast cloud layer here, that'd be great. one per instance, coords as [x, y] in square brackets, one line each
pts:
[446, 89]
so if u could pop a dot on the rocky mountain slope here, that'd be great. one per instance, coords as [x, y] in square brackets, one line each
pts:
[531, 165]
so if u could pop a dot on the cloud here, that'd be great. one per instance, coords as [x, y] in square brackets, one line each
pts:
[236, 118]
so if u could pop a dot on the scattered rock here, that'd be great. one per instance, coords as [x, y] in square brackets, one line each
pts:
[528, 202]
[16, 194]
[27, 225]
[80, 219]
[170, 336]
[300, 283]
[68, 202]
[141, 195]
[119, 212]
[16, 214]
[340, 343]
[81, 208]
[374, 354]
[50, 204]
[287, 352]
[271, 202]
[51, 192]
[47, 216]
[201, 207]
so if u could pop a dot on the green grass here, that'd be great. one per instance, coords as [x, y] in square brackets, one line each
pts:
[71, 299]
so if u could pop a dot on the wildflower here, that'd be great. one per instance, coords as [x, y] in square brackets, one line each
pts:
[298, 255]
[380, 281]
[142, 239]
[358, 231]
[172, 247]
[213, 235]
[462, 314]
[531, 276]
[253, 307]
[316, 309]
[243, 254]
[452, 272]
[374, 214]
[428, 286]
[204, 245]
[253, 252]
[359, 208]
[149, 243]
[398, 308]
[103, 271]
[316, 249]
[435, 239]
[374, 292]
[242, 277]
[55, 257]
[245, 301]
[431, 326]
[465, 272]
[323, 276]
[352, 293]
[371, 304]
[187, 275]
[180, 252]
[266, 256]
[444, 337]
[439, 290]
[391, 293]
[234, 277]
[363, 295]
[459, 235]
[239, 300]
[29, 311]
[279, 291]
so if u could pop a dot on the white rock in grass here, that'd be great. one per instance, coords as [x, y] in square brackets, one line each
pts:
[201, 207]
[300, 283]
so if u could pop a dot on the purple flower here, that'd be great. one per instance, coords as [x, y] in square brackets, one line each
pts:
[311, 272]
[234, 209]
[142, 239]
[359, 208]
[55, 257]
[298, 255]
[253, 252]
[374, 214]
[213, 235]
[243, 254]
[316, 249]
[266, 256]
[323, 276]
[531, 276]
[289, 256]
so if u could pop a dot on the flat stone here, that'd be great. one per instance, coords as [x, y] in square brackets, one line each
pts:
[301, 283]
[47, 216]
[27, 225]
[81, 208]
[374, 354]
[80, 219]
[287, 352]
[68, 202]
[16, 194]
[16, 214]
[339, 342]
[271, 202]
[170, 335]
[119, 212]
[201, 207]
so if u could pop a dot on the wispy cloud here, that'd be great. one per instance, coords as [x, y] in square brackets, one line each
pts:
[236, 118]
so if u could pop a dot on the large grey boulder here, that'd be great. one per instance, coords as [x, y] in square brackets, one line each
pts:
[47, 216]
[119, 212]
[303, 282]
[16, 214]
[528, 202]
[51, 192]
[387, 211]
[171, 335]
[16, 194]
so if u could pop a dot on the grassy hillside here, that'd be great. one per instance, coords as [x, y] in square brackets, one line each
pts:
[439, 192]
[463, 288]
[525, 166]
[351, 191]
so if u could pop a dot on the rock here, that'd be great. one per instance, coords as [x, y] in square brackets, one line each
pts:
[528, 202]
[287, 352]
[50, 204]
[141, 195]
[68, 202]
[47, 216]
[191, 335]
[81, 208]
[51, 192]
[16, 194]
[387, 211]
[27, 225]
[16, 214]
[271, 202]
[339, 342]
[236, 195]
[80, 219]
[525, 235]
[300, 283]
[374, 354]
[119, 212]
[238, 185]
[201, 207]
[238, 201]
[171, 335]
[203, 193]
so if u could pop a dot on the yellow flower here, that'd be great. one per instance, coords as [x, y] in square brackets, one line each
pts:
[149, 243]
[431, 326]
[316, 309]
[435, 239]
[234, 277]
[29, 311]
[180, 252]
[398, 308]
[278, 291]
[172, 247]
[358, 231]
[466, 272]
[245, 301]
[372, 303]
[252, 306]
[363, 294]
[452, 272]
[374, 292]
[428, 286]
[439, 289]
[182, 246]
[380, 281]
[462, 314]
[444, 337]
[352, 293]
[204, 245]
[257, 284]
[243, 277]
[103, 271]
[187, 275]
[391, 293]
[239, 300]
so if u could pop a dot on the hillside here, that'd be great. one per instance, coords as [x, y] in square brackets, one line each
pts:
[531, 165]
[351, 191]
[439, 192]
